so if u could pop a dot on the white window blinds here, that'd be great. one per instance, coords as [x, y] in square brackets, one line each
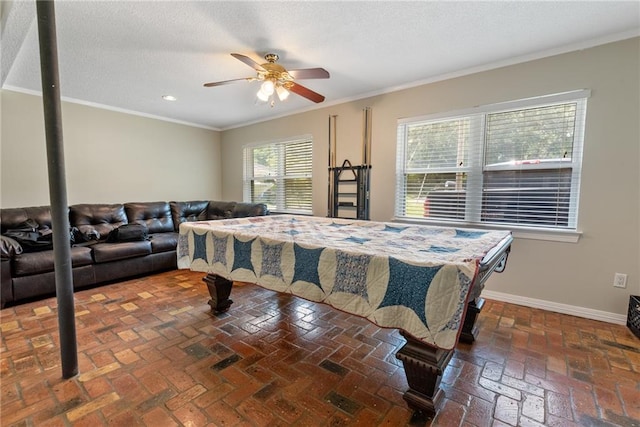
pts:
[515, 164]
[279, 175]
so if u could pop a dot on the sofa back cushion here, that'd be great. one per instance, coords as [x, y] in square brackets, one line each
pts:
[155, 215]
[97, 217]
[11, 218]
[220, 210]
[242, 210]
[188, 211]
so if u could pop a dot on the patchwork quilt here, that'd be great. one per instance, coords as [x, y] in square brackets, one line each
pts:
[409, 277]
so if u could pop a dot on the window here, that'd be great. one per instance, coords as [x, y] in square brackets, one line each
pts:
[515, 164]
[278, 174]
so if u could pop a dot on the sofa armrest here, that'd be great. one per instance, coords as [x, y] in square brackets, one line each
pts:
[6, 288]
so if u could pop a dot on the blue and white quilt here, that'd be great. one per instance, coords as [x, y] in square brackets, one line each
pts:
[414, 278]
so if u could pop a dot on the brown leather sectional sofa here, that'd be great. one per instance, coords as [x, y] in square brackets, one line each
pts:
[26, 274]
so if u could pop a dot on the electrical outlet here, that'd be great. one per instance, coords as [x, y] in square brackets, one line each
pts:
[620, 280]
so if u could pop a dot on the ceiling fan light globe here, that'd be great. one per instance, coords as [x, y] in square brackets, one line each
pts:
[282, 93]
[262, 96]
[267, 87]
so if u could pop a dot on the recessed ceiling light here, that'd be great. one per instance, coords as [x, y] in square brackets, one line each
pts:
[169, 98]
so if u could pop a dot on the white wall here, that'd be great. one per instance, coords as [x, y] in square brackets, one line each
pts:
[110, 157]
[115, 157]
[572, 274]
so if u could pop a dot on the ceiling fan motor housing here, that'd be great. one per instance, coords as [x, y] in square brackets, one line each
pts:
[274, 72]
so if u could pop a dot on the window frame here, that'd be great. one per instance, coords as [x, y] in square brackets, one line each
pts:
[476, 168]
[280, 178]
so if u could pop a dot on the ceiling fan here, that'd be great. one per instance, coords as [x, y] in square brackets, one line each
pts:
[277, 79]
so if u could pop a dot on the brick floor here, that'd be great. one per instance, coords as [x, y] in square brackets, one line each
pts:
[151, 353]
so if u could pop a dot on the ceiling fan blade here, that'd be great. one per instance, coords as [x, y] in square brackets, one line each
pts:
[226, 82]
[250, 62]
[309, 73]
[306, 92]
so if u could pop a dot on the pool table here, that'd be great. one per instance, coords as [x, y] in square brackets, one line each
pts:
[424, 281]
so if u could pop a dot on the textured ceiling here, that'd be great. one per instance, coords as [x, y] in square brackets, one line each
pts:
[125, 55]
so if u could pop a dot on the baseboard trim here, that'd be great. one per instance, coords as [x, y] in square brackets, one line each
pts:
[572, 310]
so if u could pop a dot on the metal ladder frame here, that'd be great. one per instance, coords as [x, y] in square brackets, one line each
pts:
[361, 174]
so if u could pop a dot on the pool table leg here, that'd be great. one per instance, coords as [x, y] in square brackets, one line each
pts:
[469, 328]
[219, 289]
[423, 366]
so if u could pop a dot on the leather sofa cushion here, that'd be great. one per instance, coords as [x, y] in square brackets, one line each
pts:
[105, 252]
[220, 210]
[12, 217]
[155, 215]
[188, 211]
[42, 262]
[97, 217]
[163, 242]
[45, 284]
[242, 210]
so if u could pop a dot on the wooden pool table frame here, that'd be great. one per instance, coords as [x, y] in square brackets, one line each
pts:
[424, 364]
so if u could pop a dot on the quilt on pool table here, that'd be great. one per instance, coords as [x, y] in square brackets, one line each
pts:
[414, 278]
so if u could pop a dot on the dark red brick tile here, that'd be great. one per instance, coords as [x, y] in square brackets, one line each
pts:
[479, 413]
[279, 361]
[124, 419]
[450, 414]
[35, 393]
[158, 417]
[365, 418]
[608, 399]
[392, 395]
[58, 421]
[97, 387]
[472, 389]
[257, 413]
[212, 396]
[222, 414]
[179, 379]
[66, 390]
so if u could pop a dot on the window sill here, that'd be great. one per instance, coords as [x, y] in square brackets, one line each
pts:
[548, 235]
[545, 234]
[290, 213]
